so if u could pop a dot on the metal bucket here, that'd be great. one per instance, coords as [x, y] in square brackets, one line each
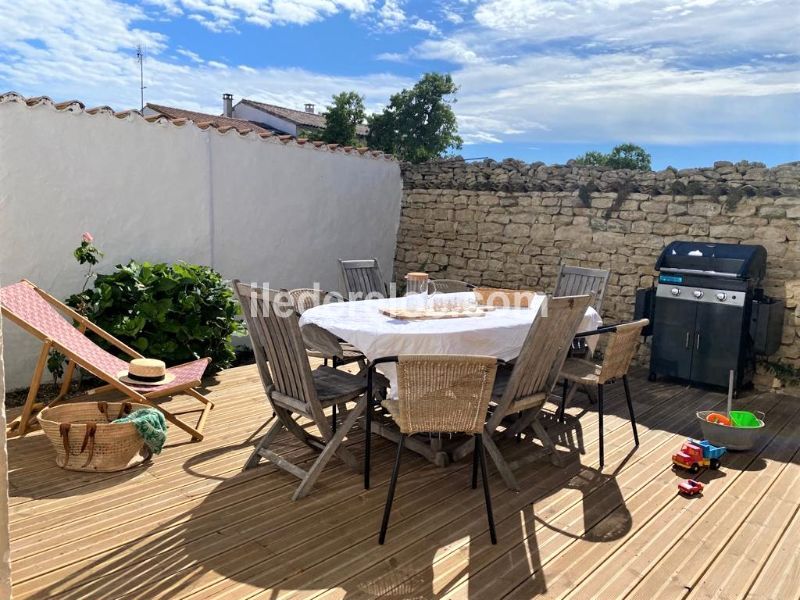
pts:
[733, 438]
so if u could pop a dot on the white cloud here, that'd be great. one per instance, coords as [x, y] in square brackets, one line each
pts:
[391, 15]
[222, 15]
[59, 46]
[711, 25]
[426, 26]
[192, 56]
[562, 98]
[450, 49]
[638, 72]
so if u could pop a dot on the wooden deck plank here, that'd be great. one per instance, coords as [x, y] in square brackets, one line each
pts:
[102, 555]
[737, 522]
[583, 504]
[314, 527]
[554, 493]
[780, 575]
[639, 552]
[192, 525]
[582, 555]
[737, 565]
[344, 559]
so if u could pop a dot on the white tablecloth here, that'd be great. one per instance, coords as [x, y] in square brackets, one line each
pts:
[500, 333]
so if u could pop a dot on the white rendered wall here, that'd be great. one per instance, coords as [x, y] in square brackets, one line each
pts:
[254, 209]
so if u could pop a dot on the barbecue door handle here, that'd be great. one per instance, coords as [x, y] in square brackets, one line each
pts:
[686, 343]
[697, 341]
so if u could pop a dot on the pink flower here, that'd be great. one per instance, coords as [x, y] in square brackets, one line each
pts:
[87, 237]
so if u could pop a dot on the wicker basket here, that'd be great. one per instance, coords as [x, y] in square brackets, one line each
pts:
[85, 439]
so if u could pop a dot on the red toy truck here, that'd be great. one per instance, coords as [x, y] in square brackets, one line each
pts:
[695, 454]
[690, 487]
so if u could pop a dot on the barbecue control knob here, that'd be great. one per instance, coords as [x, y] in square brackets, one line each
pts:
[697, 294]
[675, 292]
[721, 296]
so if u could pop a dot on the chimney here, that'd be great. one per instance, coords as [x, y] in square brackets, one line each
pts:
[309, 108]
[227, 105]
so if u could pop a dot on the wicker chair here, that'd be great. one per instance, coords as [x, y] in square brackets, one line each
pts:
[621, 348]
[294, 389]
[319, 342]
[362, 278]
[449, 286]
[442, 394]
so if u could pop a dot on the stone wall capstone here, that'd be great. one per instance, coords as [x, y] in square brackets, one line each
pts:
[511, 224]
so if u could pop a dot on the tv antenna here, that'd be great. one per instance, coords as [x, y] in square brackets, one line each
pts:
[140, 54]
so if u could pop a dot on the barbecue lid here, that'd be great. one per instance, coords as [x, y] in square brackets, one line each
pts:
[742, 261]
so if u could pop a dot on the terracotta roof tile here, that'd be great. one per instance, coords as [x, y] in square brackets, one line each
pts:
[70, 105]
[182, 118]
[106, 110]
[239, 125]
[298, 117]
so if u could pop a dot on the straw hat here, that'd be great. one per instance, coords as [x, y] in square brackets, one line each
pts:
[146, 371]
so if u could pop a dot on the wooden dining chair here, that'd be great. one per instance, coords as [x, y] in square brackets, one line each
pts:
[574, 281]
[523, 389]
[449, 286]
[622, 344]
[320, 343]
[293, 389]
[442, 394]
[362, 278]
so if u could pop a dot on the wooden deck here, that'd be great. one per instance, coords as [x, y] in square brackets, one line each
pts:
[192, 525]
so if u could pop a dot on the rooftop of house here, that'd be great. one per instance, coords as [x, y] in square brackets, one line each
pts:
[240, 125]
[298, 117]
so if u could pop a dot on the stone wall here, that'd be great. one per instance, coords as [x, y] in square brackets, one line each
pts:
[511, 224]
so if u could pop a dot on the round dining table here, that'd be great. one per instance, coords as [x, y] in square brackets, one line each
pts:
[499, 332]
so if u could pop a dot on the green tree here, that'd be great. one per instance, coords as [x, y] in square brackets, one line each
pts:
[624, 156]
[418, 124]
[342, 117]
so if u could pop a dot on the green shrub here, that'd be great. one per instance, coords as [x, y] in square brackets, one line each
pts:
[174, 312]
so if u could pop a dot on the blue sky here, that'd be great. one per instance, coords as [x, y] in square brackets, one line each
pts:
[693, 81]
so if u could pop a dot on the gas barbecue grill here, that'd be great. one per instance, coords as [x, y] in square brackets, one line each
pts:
[709, 313]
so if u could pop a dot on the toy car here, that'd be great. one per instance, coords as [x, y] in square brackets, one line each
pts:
[695, 454]
[690, 487]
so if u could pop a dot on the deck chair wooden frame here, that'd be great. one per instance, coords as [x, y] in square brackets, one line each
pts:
[182, 385]
[535, 372]
[293, 389]
[575, 281]
[362, 278]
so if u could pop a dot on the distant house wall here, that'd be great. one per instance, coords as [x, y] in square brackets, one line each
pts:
[255, 209]
[249, 113]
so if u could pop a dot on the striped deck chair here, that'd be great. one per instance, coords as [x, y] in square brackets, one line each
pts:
[48, 320]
